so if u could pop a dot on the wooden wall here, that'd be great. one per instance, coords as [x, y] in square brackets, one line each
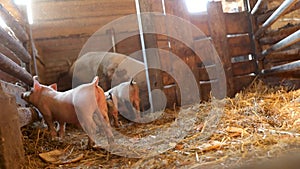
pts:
[229, 33]
[61, 28]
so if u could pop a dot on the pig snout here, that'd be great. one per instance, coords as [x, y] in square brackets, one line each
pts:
[25, 95]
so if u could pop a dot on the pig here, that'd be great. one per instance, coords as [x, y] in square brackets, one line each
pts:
[120, 95]
[88, 100]
[112, 109]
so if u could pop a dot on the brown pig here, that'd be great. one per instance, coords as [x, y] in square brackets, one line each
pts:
[124, 92]
[79, 106]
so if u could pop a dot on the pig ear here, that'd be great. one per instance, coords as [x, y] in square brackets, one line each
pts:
[35, 77]
[36, 84]
[96, 80]
[132, 82]
[54, 86]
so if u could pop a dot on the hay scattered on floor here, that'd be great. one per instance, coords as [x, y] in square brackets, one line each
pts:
[258, 123]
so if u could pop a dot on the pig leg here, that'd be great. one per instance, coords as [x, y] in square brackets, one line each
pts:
[115, 116]
[136, 105]
[113, 112]
[49, 121]
[62, 128]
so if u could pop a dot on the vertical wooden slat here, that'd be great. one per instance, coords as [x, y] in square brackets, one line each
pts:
[218, 33]
[150, 41]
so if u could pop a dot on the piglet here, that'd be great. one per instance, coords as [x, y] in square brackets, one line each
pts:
[126, 92]
[84, 106]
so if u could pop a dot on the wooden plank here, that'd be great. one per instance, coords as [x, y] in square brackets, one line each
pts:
[10, 134]
[203, 73]
[12, 8]
[170, 93]
[218, 34]
[237, 23]
[61, 44]
[262, 18]
[289, 67]
[288, 41]
[15, 70]
[167, 79]
[242, 82]
[239, 45]
[27, 115]
[282, 56]
[200, 21]
[11, 22]
[281, 10]
[205, 91]
[5, 51]
[61, 10]
[274, 36]
[69, 27]
[205, 49]
[129, 45]
[244, 68]
[14, 45]
[8, 78]
[13, 90]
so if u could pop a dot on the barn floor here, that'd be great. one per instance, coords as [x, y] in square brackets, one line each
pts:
[260, 123]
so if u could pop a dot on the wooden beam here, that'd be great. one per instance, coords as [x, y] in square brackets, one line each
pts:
[277, 35]
[12, 8]
[263, 17]
[288, 41]
[218, 33]
[13, 24]
[5, 51]
[239, 45]
[10, 67]
[237, 23]
[244, 68]
[62, 10]
[281, 10]
[28, 115]
[14, 45]
[78, 27]
[289, 67]
[14, 90]
[282, 56]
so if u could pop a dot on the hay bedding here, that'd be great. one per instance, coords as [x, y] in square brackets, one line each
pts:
[258, 123]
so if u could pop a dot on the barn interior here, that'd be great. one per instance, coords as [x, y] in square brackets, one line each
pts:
[223, 75]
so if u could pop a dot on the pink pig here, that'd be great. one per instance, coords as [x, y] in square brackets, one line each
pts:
[126, 92]
[79, 106]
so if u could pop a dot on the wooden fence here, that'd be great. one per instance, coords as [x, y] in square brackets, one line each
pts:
[278, 48]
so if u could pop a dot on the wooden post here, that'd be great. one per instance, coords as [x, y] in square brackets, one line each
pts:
[10, 67]
[150, 41]
[11, 146]
[216, 22]
[14, 45]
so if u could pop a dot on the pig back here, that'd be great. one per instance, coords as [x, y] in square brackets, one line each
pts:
[102, 64]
